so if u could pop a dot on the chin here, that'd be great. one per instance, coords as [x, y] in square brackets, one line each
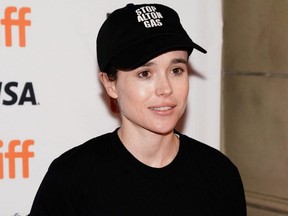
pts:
[162, 130]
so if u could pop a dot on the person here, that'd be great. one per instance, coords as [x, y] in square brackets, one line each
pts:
[144, 167]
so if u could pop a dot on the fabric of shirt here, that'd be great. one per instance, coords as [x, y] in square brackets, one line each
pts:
[101, 177]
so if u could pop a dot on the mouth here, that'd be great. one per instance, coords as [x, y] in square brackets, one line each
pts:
[164, 108]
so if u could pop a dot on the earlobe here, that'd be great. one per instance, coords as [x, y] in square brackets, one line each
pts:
[108, 84]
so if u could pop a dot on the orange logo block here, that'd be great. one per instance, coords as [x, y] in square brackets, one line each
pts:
[20, 22]
[24, 154]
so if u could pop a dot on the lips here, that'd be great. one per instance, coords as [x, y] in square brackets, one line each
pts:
[164, 108]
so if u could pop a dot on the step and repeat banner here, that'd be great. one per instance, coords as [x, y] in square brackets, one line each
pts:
[50, 96]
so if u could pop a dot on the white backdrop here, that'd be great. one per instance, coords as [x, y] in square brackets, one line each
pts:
[50, 96]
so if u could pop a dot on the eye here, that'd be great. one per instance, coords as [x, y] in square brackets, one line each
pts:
[144, 74]
[177, 71]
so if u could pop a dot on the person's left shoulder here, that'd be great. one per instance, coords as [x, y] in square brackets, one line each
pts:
[206, 155]
[216, 173]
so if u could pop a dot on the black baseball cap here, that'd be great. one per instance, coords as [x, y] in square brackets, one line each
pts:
[134, 34]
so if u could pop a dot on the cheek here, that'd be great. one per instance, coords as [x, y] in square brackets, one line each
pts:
[183, 89]
[130, 94]
[187, 88]
[183, 93]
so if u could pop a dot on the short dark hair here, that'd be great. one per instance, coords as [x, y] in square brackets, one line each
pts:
[112, 73]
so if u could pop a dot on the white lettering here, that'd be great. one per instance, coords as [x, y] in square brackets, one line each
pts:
[149, 16]
[152, 23]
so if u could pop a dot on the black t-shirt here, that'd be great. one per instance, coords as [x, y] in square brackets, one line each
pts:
[100, 177]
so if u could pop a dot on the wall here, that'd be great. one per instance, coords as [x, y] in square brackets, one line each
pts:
[255, 100]
[50, 96]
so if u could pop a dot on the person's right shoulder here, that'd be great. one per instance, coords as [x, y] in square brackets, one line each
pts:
[83, 157]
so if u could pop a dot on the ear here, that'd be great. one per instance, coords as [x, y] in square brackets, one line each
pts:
[109, 85]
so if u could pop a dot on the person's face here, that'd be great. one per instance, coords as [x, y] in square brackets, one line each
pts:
[153, 97]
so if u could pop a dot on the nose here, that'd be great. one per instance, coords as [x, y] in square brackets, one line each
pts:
[163, 86]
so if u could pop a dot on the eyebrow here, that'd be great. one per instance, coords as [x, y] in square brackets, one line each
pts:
[180, 60]
[173, 61]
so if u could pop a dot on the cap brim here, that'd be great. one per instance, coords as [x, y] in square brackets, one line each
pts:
[135, 55]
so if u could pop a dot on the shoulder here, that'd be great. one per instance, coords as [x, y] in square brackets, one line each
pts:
[91, 147]
[206, 156]
[83, 158]
[216, 173]
[212, 166]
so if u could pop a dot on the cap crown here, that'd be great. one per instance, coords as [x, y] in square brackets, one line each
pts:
[133, 35]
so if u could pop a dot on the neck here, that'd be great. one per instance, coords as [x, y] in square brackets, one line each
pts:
[152, 149]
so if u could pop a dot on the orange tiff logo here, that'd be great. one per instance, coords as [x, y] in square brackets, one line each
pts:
[20, 22]
[11, 155]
